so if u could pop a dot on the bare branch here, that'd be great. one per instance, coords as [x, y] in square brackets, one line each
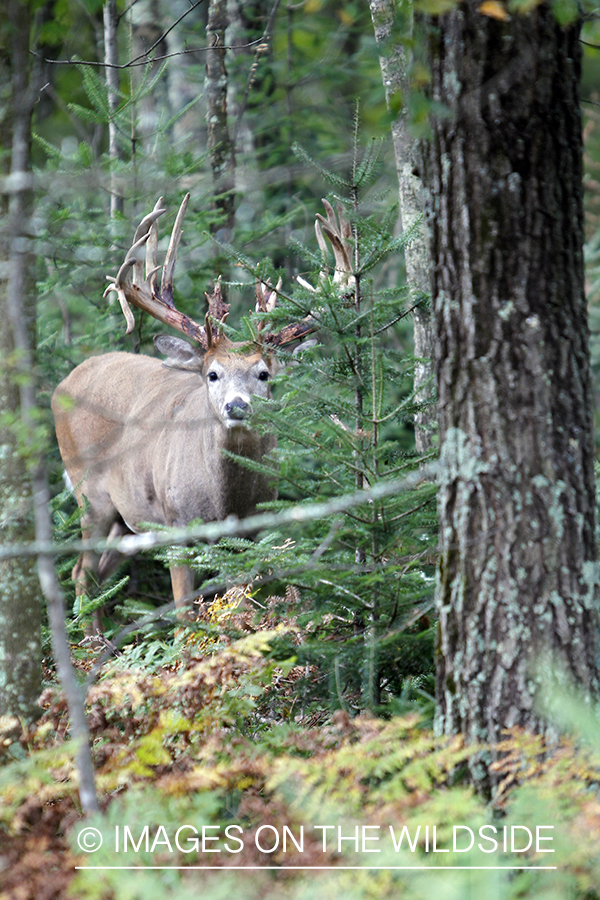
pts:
[140, 60]
[171, 27]
[131, 544]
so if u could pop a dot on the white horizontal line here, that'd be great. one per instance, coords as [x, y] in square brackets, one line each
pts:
[226, 868]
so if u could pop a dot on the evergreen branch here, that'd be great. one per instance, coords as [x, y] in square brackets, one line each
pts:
[414, 509]
[248, 266]
[331, 177]
[208, 592]
[370, 161]
[180, 114]
[402, 315]
[394, 412]
[386, 246]
[143, 89]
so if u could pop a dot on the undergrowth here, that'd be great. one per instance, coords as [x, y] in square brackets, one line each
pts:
[207, 761]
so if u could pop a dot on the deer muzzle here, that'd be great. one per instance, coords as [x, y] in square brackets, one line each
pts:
[237, 410]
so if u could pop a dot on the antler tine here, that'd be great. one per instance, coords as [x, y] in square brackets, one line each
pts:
[266, 300]
[148, 220]
[338, 231]
[123, 283]
[339, 235]
[345, 226]
[266, 296]
[295, 331]
[143, 234]
[166, 287]
[320, 239]
[218, 310]
[152, 266]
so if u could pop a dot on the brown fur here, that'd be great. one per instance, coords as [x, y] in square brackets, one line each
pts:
[141, 442]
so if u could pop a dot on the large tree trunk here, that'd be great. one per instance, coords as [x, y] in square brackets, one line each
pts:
[517, 573]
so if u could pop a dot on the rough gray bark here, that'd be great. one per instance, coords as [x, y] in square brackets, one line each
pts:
[20, 602]
[394, 72]
[517, 573]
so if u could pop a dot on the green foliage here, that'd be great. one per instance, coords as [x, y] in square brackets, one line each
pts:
[343, 412]
[84, 610]
[566, 12]
[366, 581]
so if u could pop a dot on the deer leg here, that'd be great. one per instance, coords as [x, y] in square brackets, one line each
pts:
[92, 568]
[182, 583]
[84, 573]
[112, 559]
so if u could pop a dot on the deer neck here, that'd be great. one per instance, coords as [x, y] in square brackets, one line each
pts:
[241, 488]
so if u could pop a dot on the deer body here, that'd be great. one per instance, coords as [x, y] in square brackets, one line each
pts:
[143, 443]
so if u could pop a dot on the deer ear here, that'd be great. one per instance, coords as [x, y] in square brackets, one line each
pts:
[180, 354]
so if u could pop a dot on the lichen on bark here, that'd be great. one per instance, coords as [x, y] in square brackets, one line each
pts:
[518, 561]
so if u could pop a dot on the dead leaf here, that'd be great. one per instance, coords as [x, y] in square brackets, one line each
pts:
[494, 10]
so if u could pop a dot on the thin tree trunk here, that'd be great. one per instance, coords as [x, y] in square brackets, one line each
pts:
[74, 692]
[219, 144]
[20, 594]
[393, 63]
[20, 602]
[517, 575]
[111, 59]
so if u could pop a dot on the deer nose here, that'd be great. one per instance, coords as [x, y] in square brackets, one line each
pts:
[237, 409]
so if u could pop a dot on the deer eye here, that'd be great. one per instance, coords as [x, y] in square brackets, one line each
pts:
[212, 376]
[264, 375]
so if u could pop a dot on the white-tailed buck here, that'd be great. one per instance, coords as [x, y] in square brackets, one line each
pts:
[142, 440]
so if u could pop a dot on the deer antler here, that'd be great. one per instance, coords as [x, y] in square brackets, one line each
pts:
[144, 293]
[218, 311]
[340, 238]
[266, 296]
[266, 300]
[338, 230]
[134, 288]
